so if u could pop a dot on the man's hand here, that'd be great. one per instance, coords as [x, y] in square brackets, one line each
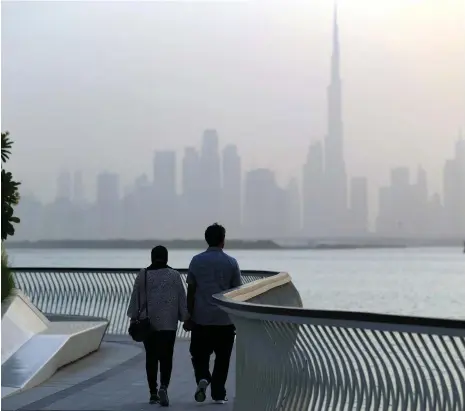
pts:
[188, 325]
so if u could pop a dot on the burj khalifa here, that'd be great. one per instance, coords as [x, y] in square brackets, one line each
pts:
[335, 177]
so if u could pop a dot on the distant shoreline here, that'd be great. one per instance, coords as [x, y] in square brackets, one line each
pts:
[195, 244]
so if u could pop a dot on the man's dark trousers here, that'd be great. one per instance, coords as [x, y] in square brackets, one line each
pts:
[206, 340]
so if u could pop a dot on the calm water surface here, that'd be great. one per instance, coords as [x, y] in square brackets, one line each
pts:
[423, 282]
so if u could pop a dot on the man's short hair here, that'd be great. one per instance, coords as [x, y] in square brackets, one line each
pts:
[159, 254]
[214, 235]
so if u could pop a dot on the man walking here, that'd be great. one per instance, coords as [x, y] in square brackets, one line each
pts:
[211, 272]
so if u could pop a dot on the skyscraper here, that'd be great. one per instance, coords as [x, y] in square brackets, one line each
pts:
[293, 208]
[190, 207]
[164, 172]
[231, 203]
[335, 169]
[261, 200]
[210, 178]
[313, 194]
[78, 189]
[401, 201]
[64, 186]
[108, 206]
[359, 206]
[454, 191]
[419, 214]
[164, 192]
[385, 224]
[460, 159]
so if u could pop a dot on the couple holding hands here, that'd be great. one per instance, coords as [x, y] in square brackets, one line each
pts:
[159, 301]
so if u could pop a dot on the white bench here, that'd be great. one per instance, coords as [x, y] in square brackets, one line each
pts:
[34, 348]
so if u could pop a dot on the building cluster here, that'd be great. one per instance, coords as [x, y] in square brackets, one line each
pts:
[326, 204]
[406, 208]
[251, 205]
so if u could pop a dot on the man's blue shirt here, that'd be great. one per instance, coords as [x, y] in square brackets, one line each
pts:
[212, 272]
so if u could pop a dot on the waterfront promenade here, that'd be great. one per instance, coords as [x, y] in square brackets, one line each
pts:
[287, 357]
[113, 378]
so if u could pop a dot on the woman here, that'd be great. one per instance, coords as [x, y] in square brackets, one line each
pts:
[166, 298]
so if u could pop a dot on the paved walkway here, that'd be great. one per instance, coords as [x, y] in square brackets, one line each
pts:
[114, 379]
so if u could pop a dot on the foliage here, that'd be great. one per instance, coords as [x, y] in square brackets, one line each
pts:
[7, 277]
[10, 192]
[6, 146]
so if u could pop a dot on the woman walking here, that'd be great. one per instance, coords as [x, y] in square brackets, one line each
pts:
[159, 295]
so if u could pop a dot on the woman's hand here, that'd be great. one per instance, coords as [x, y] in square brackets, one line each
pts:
[188, 325]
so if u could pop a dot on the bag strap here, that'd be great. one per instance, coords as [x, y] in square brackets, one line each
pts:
[146, 300]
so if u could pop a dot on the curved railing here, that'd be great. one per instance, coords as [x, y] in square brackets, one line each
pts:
[295, 359]
[91, 292]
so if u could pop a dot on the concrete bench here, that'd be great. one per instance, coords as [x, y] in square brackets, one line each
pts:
[34, 347]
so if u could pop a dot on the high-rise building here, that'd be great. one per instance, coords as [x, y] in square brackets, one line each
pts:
[64, 186]
[454, 191]
[385, 222]
[293, 217]
[261, 219]
[78, 189]
[164, 173]
[359, 205]
[210, 178]
[402, 201]
[107, 188]
[138, 216]
[335, 169]
[419, 211]
[164, 192]
[190, 171]
[460, 159]
[313, 194]
[108, 206]
[232, 191]
[191, 201]
[435, 216]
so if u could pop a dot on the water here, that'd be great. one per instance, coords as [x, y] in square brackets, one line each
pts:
[427, 282]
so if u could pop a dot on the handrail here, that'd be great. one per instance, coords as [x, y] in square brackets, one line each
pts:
[262, 273]
[291, 358]
[94, 292]
[237, 300]
[257, 287]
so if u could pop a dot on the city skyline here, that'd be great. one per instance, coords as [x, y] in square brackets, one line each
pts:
[136, 213]
[136, 81]
[210, 183]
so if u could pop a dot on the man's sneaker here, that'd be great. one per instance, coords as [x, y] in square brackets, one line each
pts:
[154, 398]
[163, 394]
[200, 393]
[223, 401]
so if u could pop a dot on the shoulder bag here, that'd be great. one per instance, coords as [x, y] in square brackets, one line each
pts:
[140, 328]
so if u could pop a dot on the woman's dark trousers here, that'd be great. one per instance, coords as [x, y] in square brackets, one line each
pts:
[159, 347]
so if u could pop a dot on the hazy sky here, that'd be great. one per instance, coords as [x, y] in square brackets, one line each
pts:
[99, 86]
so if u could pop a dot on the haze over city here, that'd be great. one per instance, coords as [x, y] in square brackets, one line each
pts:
[99, 87]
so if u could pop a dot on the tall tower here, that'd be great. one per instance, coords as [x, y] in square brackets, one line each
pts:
[335, 169]
[231, 204]
[210, 178]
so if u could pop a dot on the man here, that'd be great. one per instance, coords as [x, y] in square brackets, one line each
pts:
[211, 272]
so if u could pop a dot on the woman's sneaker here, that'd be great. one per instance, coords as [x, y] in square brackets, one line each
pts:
[163, 394]
[201, 392]
[223, 401]
[154, 398]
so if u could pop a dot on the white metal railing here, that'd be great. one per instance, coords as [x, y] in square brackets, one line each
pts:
[92, 292]
[294, 359]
